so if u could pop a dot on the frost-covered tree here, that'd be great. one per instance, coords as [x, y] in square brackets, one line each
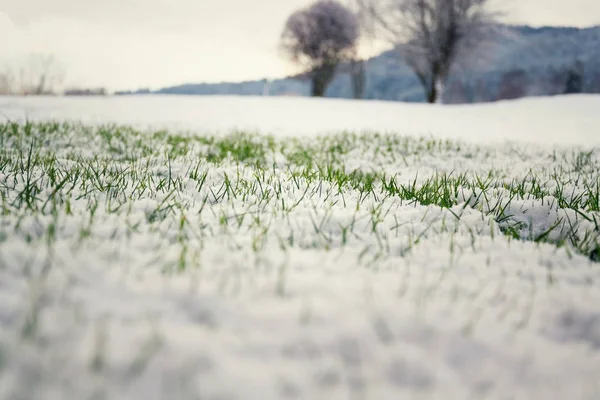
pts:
[41, 74]
[430, 34]
[319, 38]
[35, 74]
[7, 82]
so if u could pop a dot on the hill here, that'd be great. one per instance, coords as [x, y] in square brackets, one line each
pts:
[524, 61]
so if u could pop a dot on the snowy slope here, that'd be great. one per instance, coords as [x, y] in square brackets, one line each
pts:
[552, 120]
[148, 265]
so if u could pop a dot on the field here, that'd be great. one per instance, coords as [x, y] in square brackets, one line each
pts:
[147, 258]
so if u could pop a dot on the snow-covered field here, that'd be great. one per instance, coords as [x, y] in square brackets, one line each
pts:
[565, 120]
[250, 248]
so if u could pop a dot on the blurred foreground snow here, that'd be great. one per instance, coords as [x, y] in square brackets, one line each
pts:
[277, 299]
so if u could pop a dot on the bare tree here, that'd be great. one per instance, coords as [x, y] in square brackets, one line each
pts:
[7, 81]
[319, 38]
[40, 74]
[430, 34]
[35, 74]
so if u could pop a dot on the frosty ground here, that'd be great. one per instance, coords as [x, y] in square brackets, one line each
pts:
[233, 248]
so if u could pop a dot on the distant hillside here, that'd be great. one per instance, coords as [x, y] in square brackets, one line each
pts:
[525, 61]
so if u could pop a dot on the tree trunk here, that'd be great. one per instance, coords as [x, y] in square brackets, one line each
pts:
[321, 78]
[435, 91]
[432, 94]
[41, 84]
[439, 90]
[358, 77]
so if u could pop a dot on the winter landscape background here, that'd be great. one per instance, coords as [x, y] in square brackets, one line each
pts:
[525, 61]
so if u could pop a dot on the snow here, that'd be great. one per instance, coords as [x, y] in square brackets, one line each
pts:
[462, 312]
[559, 120]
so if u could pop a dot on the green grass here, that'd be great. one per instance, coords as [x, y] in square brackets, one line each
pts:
[56, 170]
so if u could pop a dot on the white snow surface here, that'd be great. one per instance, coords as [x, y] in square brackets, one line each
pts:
[560, 120]
[462, 313]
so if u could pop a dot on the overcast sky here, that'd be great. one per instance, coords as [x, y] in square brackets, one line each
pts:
[124, 44]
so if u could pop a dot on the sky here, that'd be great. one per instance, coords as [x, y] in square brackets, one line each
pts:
[128, 44]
